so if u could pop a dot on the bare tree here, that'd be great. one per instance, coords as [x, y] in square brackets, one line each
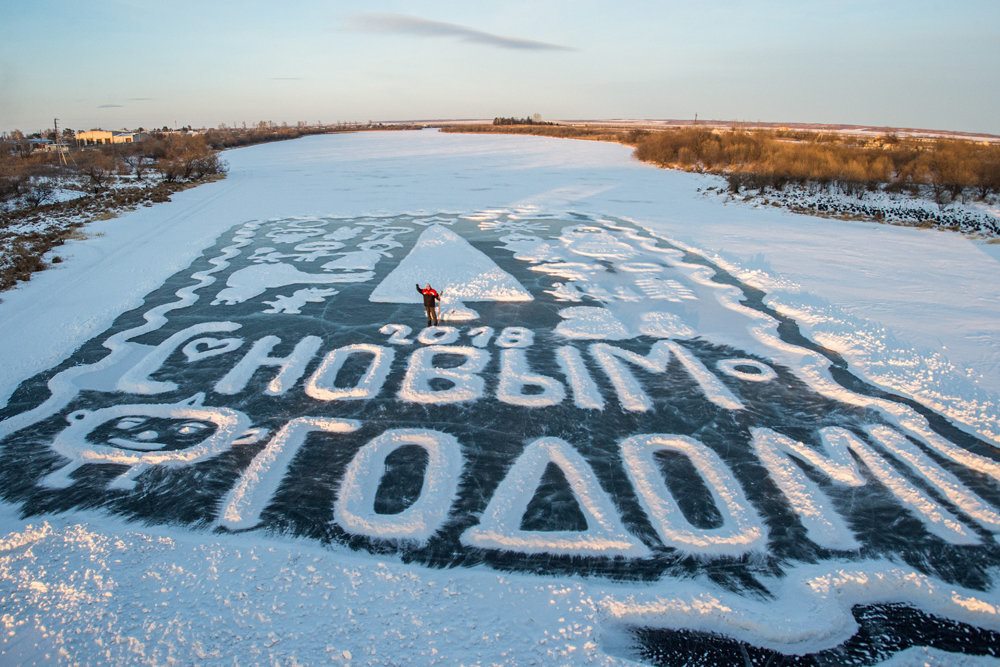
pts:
[988, 176]
[40, 190]
[137, 160]
[949, 172]
[12, 178]
[188, 158]
[98, 167]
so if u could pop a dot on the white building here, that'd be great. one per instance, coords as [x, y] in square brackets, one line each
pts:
[96, 137]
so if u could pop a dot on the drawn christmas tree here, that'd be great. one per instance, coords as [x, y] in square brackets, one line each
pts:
[458, 271]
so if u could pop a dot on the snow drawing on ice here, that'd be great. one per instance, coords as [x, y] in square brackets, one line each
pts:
[619, 408]
[293, 303]
[255, 280]
[458, 271]
[499, 528]
[192, 432]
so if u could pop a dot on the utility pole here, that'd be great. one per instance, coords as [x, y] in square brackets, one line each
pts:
[58, 148]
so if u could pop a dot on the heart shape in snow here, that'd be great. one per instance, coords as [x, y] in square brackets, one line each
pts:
[203, 348]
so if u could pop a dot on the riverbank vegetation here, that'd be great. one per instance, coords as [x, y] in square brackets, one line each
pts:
[551, 130]
[952, 169]
[49, 190]
[45, 196]
[948, 169]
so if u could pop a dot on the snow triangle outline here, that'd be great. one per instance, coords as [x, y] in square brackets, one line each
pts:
[499, 526]
[456, 269]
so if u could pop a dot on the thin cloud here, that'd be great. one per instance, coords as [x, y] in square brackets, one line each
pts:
[413, 25]
[140, 99]
[286, 78]
[110, 106]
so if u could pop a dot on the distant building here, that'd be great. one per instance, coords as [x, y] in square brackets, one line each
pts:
[97, 137]
[183, 132]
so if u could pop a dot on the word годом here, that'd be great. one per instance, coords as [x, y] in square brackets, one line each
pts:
[740, 529]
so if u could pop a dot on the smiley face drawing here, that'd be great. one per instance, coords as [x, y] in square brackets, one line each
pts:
[144, 435]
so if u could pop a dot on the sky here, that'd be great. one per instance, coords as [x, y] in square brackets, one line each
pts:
[132, 63]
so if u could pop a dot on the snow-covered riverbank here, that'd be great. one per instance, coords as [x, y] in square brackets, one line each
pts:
[974, 217]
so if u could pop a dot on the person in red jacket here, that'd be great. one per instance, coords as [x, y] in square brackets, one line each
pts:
[430, 296]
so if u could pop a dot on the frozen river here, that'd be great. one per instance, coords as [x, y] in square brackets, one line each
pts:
[651, 424]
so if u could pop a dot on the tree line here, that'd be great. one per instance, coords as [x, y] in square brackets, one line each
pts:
[756, 159]
[546, 130]
[527, 120]
[32, 178]
[265, 131]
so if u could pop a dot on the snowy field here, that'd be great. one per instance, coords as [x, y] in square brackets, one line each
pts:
[651, 426]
